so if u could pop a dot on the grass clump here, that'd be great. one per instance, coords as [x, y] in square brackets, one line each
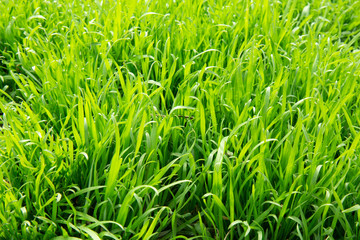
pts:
[179, 119]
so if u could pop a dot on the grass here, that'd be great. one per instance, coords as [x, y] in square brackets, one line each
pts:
[179, 119]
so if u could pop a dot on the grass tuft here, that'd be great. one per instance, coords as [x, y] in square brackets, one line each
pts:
[179, 119]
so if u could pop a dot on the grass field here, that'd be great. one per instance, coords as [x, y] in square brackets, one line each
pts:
[154, 119]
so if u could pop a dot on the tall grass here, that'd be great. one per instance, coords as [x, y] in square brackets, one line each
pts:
[179, 119]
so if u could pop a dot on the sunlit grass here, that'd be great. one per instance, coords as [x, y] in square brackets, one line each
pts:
[179, 119]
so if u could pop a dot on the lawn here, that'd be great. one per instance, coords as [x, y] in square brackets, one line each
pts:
[201, 119]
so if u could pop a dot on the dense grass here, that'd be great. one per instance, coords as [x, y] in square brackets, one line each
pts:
[180, 119]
